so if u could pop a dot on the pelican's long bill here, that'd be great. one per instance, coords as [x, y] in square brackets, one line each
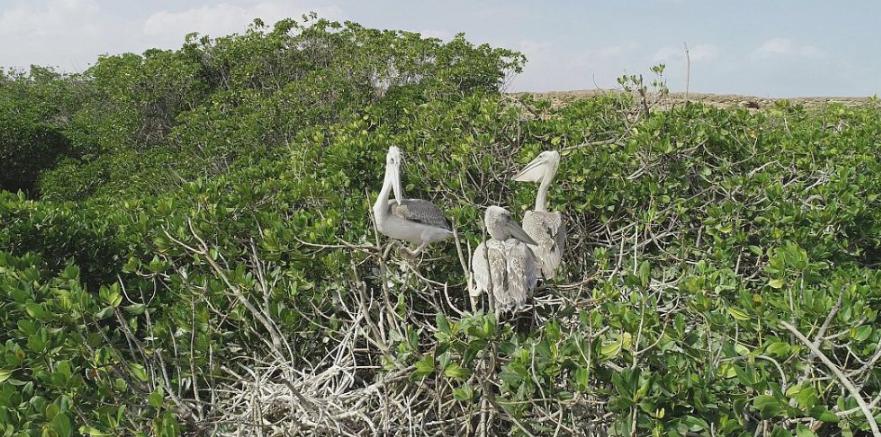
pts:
[518, 232]
[395, 174]
[532, 172]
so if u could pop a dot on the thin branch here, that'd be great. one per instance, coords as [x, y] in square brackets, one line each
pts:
[840, 375]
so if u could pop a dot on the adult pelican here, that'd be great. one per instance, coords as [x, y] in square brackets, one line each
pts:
[504, 266]
[547, 228]
[414, 220]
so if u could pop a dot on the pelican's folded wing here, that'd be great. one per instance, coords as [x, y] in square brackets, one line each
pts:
[420, 211]
[522, 270]
[480, 270]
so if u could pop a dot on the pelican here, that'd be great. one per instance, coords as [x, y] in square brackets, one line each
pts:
[414, 220]
[504, 266]
[547, 228]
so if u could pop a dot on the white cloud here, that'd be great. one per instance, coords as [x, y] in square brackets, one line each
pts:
[55, 18]
[555, 67]
[785, 47]
[532, 48]
[225, 18]
[55, 32]
[72, 34]
[435, 33]
[608, 55]
[698, 53]
[613, 51]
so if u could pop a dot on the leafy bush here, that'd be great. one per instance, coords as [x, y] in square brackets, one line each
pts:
[220, 272]
[32, 111]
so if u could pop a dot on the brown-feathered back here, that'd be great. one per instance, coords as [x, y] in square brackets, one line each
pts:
[420, 211]
[548, 229]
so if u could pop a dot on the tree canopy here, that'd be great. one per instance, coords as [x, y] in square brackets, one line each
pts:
[191, 250]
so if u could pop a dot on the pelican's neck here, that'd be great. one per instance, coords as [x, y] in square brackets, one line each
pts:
[380, 208]
[541, 199]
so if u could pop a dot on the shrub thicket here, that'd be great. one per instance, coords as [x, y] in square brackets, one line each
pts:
[204, 262]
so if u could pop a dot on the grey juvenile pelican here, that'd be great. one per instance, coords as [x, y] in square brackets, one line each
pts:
[547, 228]
[504, 265]
[414, 220]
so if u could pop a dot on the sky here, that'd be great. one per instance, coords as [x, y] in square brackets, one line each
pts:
[782, 48]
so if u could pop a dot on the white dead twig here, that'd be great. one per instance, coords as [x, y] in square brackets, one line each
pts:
[839, 374]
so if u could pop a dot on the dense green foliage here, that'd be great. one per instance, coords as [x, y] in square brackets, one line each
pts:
[208, 227]
[33, 112]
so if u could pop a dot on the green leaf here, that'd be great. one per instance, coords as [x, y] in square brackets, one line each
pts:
[138, 371]
[803, 431]
[92, 432]
[156, 265]
[444, 332]
[166, 426]
[807, 398]
[823, 414]
[861, 333]
[425, 366]
[778, 349]
[104, 313]
[463, 393]
[156, 398]
[737, 314]
[135, 309]
[611, 350]
[71, 272]
[582, 378]
[768, 405]
[695, 424]
[455, 371]
[61, 425]
[36, 311]
[489, 326]
[776, 283]
[727, 370]
[110, 295]
[645, 270]
[4, 375]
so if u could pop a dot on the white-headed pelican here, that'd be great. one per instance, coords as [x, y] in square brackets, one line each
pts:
[504, 266]
[547, 228]
[415, 220]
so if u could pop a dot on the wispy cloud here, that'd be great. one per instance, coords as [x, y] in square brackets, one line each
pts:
[604, 55]
[698, 53]
[55, 32]
[776, 47]
[54, 18]
[225, 18]
[72, 33]
[443, 35]
[532, 47]
[614, 50]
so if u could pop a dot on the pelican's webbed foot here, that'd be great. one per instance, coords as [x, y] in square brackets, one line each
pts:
[388, 248]
[414, 253]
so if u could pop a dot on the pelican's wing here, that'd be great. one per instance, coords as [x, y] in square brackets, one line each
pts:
[562, 233]
[420, 211]
[522, 270]
[549, 230]
[489, 267]
[480, 270]
[498, 268]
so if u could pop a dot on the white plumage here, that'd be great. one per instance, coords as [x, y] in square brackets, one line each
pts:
[504, 266]
[414, 220]
[548, 229]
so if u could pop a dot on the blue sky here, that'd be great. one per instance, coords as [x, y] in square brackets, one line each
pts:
[765, 48]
